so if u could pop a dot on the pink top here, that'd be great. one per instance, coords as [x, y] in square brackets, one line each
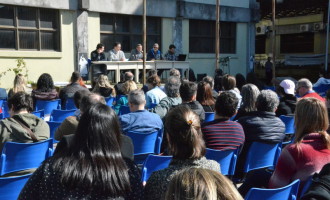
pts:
[294, 164]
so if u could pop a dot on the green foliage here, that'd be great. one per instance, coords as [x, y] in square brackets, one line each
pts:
[19, 69]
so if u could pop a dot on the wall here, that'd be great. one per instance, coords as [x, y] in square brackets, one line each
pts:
[93, 31]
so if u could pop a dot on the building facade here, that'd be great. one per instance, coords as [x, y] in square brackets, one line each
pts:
[52, 35]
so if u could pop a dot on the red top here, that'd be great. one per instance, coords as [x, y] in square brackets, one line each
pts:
[300, 164]
[315, 95]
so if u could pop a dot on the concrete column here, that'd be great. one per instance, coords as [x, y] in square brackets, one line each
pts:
[81, 36]
[177, 34]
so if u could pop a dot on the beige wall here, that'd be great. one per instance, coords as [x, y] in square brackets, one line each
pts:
[59, 65]
[93, 31]
[167, 34]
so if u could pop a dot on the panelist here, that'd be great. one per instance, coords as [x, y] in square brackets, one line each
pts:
[154, 53]
[170, 55]
[98, 54]
[137, 53]
[116, 54]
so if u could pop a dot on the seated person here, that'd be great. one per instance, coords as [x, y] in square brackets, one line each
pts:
[155, 94]
[69, 127]
[323, 80]
[249, 94]
[103, 87]
[137, 53]
[151, 72]
[128, 76]
[173, 98]
[305, 89]
[154, 53]
[288, 100]
[122, 100]
[175, 72]
[229, 84]
[116, 54]
[188, 93]
[210, 80]
[69, 90]
[170, 54]
[204, 96]
[98, 54]
[22, 126]
[45, 88]
[139, 119]
[19, 85]
[222, 133]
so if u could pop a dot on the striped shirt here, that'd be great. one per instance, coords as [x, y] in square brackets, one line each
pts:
[223, 134]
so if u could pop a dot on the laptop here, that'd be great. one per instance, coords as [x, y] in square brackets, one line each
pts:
[182, 57]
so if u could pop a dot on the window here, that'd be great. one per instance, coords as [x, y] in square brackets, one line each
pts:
[24, 28]
[128, 31]
[261, 44]
[202, 36]
[297, 43]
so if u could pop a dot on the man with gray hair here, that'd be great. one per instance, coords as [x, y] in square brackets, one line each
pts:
[305, 89]
[128, 76]
[139, 120]
[172, 90]
[210, 81]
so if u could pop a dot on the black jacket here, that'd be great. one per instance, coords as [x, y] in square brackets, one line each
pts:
[197, 108]
[97, 57]
[287, 105]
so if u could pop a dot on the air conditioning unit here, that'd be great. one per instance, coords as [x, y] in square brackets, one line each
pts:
[304, 28]
[261, 30]
[318, 26]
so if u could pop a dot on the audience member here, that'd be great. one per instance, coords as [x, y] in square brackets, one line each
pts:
[22, 126]
[69, 90]
[173, 98]
[175, 72]
[19, 85]
[249, 94]
[197, 183]
[218, 83]
[154, 53]
[98, 53]
[116, 54]
[137, 53]
[204, 96]
[253, 79]
[128, 76]
[187, 146]
[188, 93]
[323, 80]
[151, 72]
[122, 100]
[103, 87]
[139, 119]
[240, 81]
[210, 80]
[229, 84]
[155, 94]
[305, 89]
[222, 133]
[288, 100]
[45, 88]
[92, 167]
[311, 148]
[170, 54]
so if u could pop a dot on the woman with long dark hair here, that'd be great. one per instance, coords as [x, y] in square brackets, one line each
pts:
[204, 96]
[91, 168]
[45, 88]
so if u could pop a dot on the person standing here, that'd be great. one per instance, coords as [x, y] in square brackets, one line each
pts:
[116, 54]
[154, 53]
[98, 53]
[137, 53]
[170, 55]
[269, 70]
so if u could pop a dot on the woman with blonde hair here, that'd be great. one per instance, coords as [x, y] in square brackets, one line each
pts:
[197, 183]
[311, 148]
[185, 144]
[122, 100]
[19, 85]
[103, 87]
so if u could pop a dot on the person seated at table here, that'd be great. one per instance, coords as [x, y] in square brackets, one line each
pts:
[137, 53]
[154, 53]
[116, 54]
[170, 54]
[103, 87]
[45, 89]
[155, 94]
[98, 53]
[122, 100]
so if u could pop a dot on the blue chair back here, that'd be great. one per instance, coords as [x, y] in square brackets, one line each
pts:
[288, 192]
[48, 106]
[154, 163]
[262, 155]
[322, 89]
[270, 88]
[69, 104]
[209, 116]
[124, 110]
[60, 115]
[21, 156]
[288, 120]
[52, 127]
[152, 105]
[226, 158]
[5, 109]
[109, 100]
[39, 113]
[1, 102]
[10, 187]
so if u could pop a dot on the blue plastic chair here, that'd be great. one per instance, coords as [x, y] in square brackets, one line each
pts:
[1, 102]
[10, 187]
[270, 88]
[60, 115]
[48, 106]
[322, 89]
[69, 104]
[288, 120]
[209, 116]
[288, 192]
[124, 110]
[145, 143]
[154, 163]
[152, 105]
[226, 158]
[262, 155]
[21, 156]
[5, 109]
[52, 127]
[39, 113]
[109, 100]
